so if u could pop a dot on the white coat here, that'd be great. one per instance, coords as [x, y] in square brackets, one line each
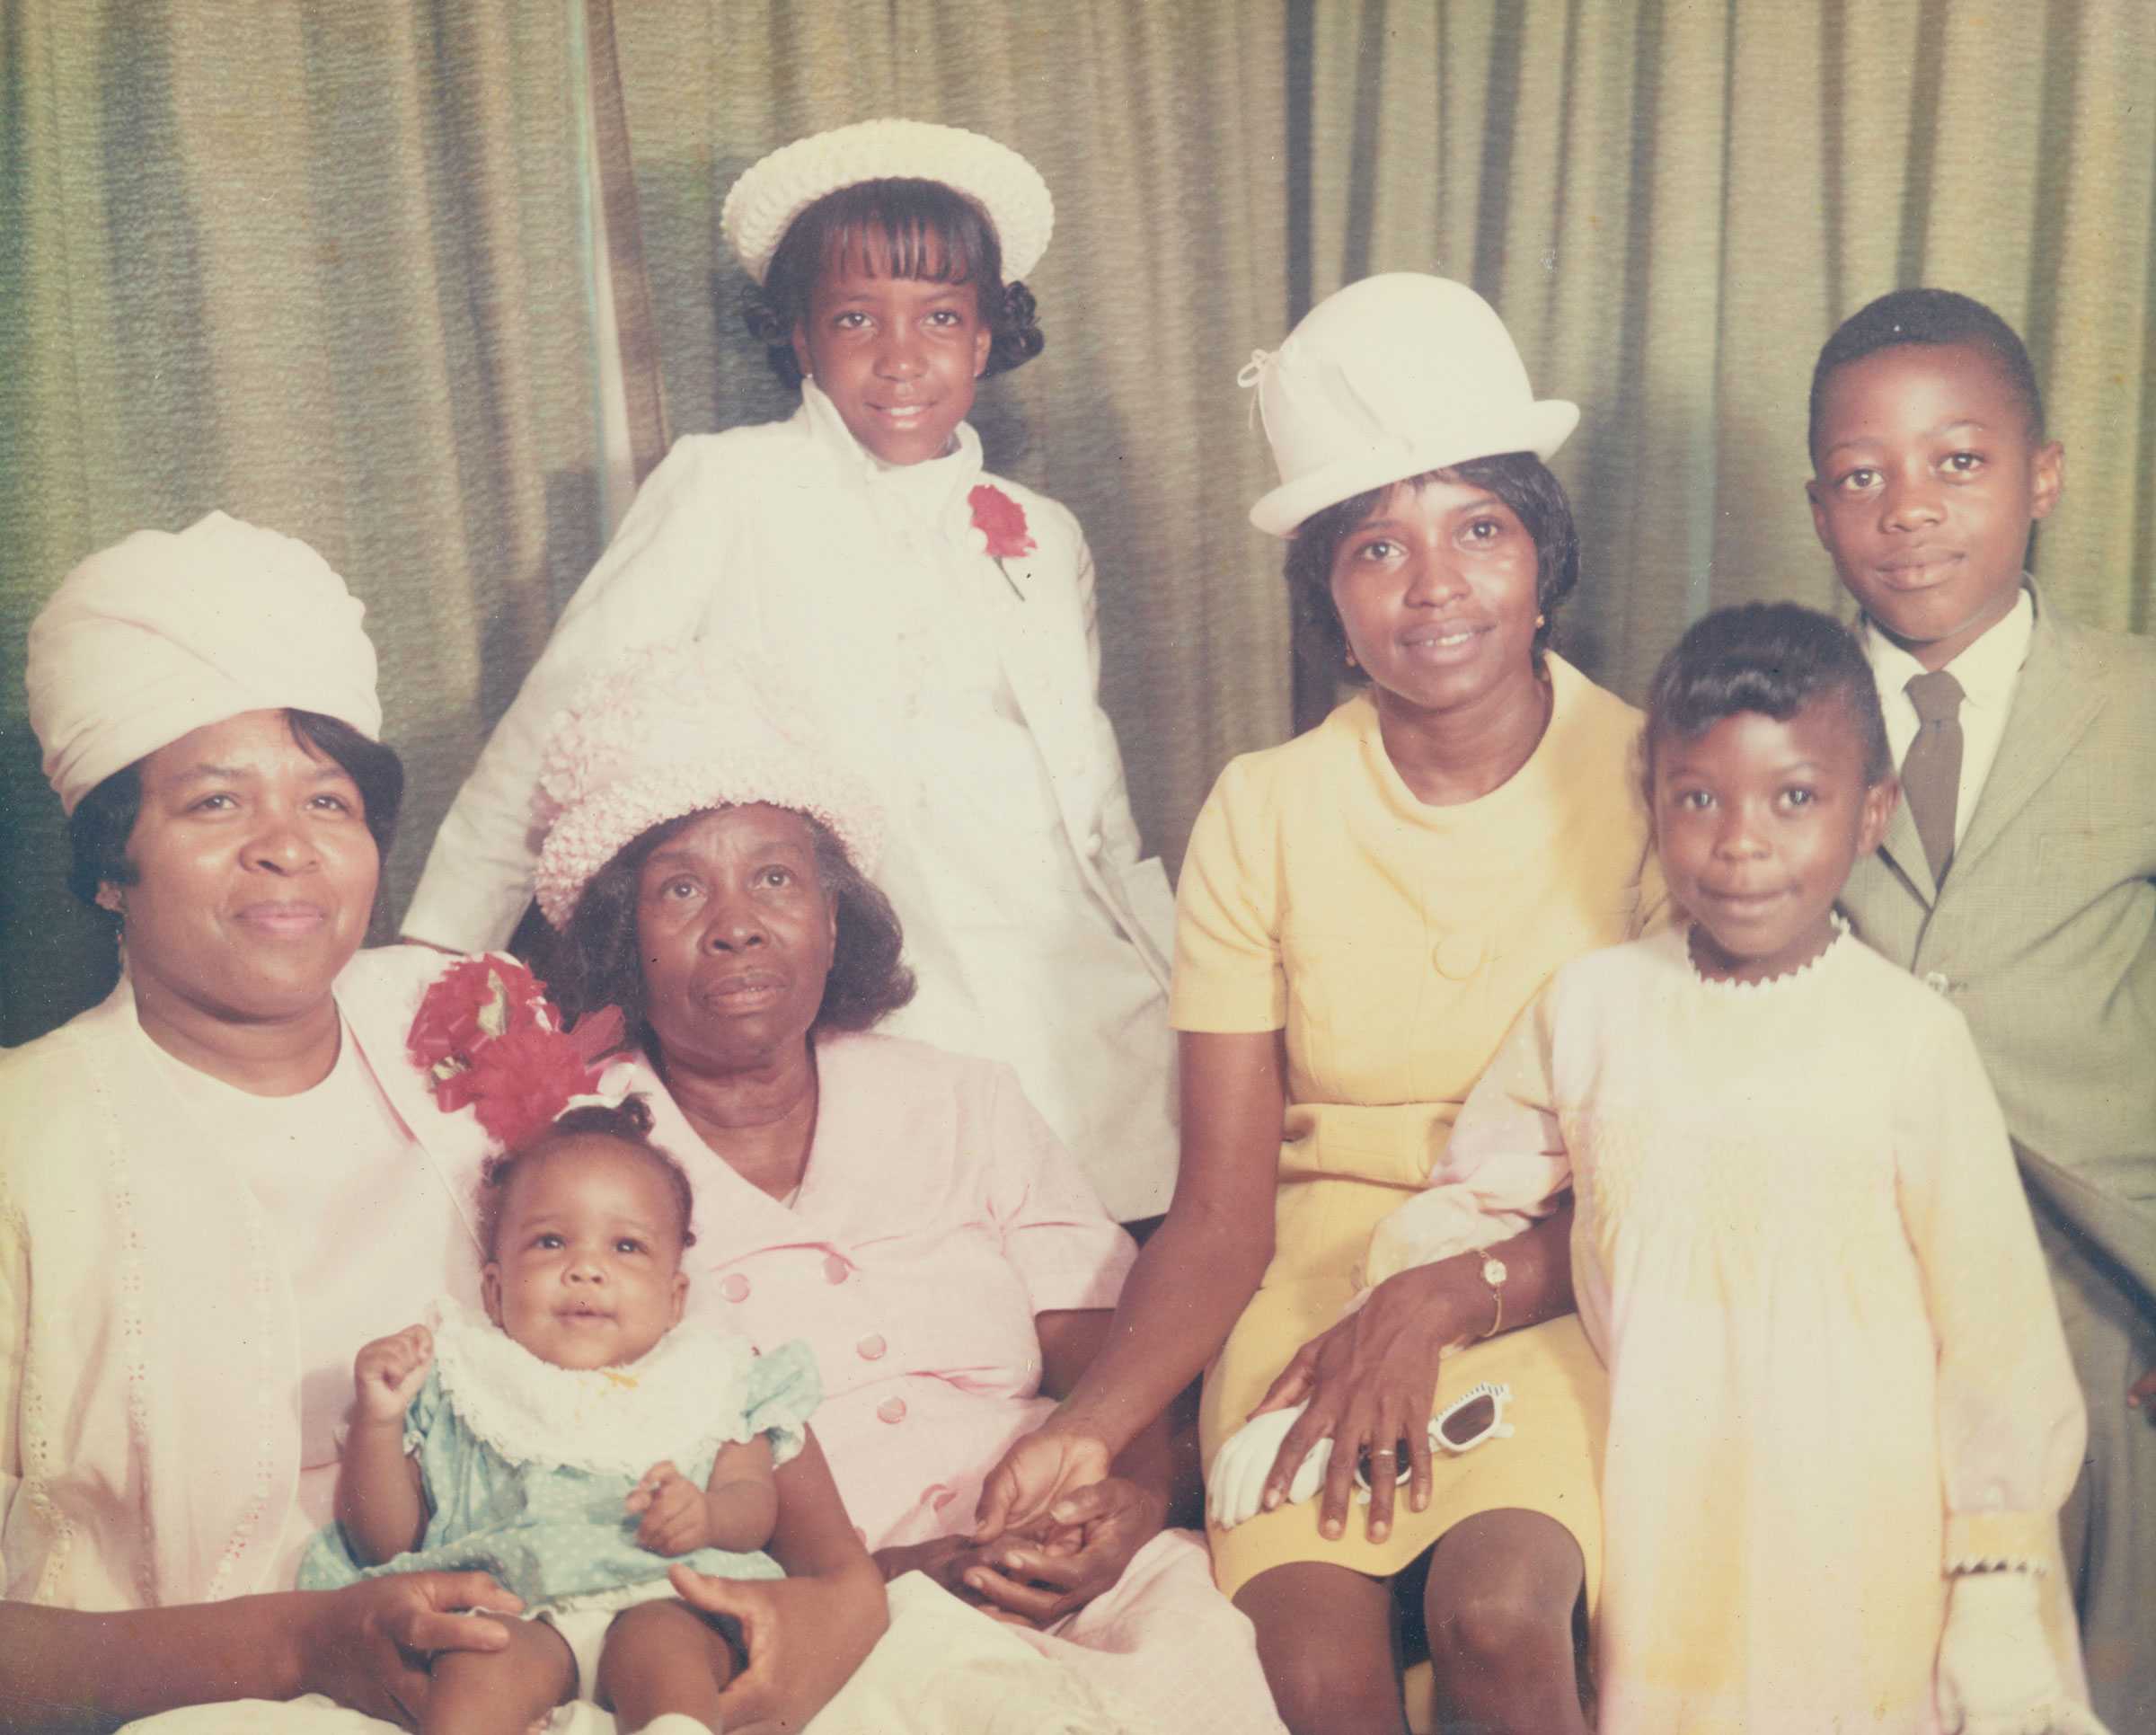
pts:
[963, 689]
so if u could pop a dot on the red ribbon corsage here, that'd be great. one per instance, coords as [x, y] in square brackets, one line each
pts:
[490, 1040]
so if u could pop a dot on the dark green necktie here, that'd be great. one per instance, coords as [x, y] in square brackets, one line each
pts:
[1931, 768]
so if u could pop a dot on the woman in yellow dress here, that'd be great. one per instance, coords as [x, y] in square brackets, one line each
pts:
[1363, 913]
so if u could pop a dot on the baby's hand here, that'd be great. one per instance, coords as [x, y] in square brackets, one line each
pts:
[676, 1516]
[388, 1373]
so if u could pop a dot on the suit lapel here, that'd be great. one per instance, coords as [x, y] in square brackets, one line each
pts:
[378, 1006]
[1026, 631]
[2053, 708]
[1903, 851]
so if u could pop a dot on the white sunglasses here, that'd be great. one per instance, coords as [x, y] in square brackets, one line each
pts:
[1475, 1416]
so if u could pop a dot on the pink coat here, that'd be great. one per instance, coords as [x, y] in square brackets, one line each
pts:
[938, 1215]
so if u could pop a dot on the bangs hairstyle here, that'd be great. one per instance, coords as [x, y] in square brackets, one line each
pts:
[104, 819]
[1773, 658]
[919, 229]
[1519, 479]
[627, 1123]
[596, 960]
[1930, 316]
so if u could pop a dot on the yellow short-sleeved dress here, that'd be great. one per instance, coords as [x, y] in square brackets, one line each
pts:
[1396, 942]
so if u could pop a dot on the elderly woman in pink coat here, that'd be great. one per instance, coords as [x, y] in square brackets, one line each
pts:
[216, 1183]
[903, 1209]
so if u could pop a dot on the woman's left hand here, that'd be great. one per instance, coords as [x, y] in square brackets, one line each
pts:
[805, 1637]
[1081, 1550]
[1369, 1385]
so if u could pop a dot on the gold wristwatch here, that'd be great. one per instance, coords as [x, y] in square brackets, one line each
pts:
[1494, 1274]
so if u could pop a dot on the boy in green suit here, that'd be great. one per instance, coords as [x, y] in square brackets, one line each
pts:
[2019, 876]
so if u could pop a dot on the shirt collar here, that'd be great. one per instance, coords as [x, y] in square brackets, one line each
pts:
[1986, 670]
[927, 489]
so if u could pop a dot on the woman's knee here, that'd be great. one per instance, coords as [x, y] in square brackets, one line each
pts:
[1503, 1588]
[1326, 1645]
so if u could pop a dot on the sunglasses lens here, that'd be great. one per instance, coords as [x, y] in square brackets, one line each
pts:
[1469, 1423]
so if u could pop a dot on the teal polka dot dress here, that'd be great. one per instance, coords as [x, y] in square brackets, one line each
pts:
[525, 1465]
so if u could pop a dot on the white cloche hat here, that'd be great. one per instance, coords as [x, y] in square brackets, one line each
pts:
[1387, 378]
[763, 204]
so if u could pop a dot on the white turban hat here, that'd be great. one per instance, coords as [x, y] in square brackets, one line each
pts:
[163, 633]
[676, 730]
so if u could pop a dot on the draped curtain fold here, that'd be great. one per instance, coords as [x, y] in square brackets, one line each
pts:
[316, 265]
[332, 268]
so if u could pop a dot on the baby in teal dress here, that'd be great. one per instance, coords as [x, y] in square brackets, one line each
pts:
[572, 1442]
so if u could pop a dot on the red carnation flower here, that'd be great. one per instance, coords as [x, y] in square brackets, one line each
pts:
[1001, 521]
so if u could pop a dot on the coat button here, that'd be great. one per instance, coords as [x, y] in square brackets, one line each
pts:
[1094, 843]
[891, 1409]
[735, 1286]
[835, 1269]
[1936, 980]
[871, 1347]
[1458, 956]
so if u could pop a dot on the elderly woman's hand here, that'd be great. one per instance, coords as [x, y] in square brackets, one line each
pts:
[1055, 1569]
[1047, 1466]
[805, 1637]
[1368, 1386]
[367, 1646]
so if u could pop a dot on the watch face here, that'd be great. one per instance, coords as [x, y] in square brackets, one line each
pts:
[1493, 1271]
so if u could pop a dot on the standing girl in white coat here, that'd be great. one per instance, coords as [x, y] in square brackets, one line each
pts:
[935, 622]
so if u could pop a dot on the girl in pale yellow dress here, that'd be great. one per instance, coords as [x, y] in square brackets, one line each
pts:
[1842, 1418]
[1363, 913]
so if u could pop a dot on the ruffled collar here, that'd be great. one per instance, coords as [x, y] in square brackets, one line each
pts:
[674, 1402]
[932, 491]
[1785, 982]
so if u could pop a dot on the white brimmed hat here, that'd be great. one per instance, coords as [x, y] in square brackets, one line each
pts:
[1389, 378]
[763, 204]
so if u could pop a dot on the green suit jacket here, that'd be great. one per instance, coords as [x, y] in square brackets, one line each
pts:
[2045, 934]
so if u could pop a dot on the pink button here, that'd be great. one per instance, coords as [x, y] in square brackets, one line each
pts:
[734, 1288]
[891, 1409]
[871, 1347]
[835, 1269]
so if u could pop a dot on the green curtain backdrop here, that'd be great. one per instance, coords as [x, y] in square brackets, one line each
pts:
[326, 266]
[316, 265]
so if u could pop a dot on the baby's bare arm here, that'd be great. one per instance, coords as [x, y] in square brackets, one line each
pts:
[741, 1500]
[735, 1508]
[381, 1503]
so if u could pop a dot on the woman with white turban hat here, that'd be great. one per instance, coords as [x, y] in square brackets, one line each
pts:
[216, 1183]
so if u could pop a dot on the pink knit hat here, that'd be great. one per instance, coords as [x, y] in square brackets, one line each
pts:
[676, 730]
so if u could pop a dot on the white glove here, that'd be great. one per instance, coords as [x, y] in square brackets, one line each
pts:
[1235, 1488]
[1997, 1675]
